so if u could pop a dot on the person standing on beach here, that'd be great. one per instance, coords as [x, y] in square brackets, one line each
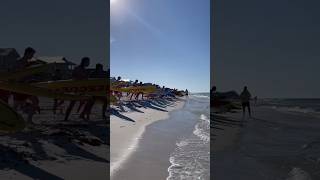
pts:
[245, 100]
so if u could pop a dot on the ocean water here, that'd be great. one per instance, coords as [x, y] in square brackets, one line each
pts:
[191, 156]
[306, 106]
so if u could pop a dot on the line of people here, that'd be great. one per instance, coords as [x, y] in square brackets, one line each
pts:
[30, 105]
[80, 73]
[160, 92]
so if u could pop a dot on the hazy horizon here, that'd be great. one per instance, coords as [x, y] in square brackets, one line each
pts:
[275, 53]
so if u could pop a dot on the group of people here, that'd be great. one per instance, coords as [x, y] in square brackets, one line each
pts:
[160, 92]
[30, 104]
[80, 73]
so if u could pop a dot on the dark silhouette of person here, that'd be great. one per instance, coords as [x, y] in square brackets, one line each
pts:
[97, 73]
[24, 61]
[245, 100]
[57, 75]
[78, 73]
[20, 98]
[213, 91]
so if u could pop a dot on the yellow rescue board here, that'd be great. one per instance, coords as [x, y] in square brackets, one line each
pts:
[90, 87]
[10, 121]
[23, 73]
[28, 89]
[137, 89]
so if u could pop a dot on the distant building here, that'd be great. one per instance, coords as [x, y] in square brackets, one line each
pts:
[58, 63]
[8, 58]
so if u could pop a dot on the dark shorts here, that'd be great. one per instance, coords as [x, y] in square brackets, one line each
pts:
[20, 97]
[245, 104]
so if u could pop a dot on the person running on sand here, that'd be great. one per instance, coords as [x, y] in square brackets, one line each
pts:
[21, 63]
[79, 73]
[245, 100]
[57, 103]
[24, 101]
[97, 73]
[135, 84]
[138, 94]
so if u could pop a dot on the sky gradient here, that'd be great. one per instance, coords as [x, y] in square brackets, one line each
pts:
[72, 28]
[270, 46]
[165, 42]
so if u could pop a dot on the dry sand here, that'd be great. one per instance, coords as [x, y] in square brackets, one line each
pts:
[54, 149]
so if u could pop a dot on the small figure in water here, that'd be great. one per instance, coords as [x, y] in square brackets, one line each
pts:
[245, 100]
[187, 92]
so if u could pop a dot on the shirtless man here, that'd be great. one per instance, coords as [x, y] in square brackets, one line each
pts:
[98, 73]
[29, 104]
[78, 73]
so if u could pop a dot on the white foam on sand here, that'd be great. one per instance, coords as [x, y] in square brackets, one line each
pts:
[192, 154]
[200, 132]
[125, 135]
[298, 174]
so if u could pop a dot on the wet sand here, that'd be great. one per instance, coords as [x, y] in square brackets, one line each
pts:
[271, 145]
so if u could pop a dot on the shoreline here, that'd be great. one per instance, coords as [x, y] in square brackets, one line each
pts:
[128, 126]
[272, 144]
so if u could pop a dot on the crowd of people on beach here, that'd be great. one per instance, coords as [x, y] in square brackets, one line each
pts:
[30, 104]
[157, 92]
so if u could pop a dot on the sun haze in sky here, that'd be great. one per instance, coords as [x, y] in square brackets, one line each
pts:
[162, 42]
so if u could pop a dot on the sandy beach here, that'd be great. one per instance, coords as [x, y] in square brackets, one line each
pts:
[274, 144]
[129, 122]
[55, 149]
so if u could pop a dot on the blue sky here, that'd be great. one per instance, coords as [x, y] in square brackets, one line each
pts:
[162, 41]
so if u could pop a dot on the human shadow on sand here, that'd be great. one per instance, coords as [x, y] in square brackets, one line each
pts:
[10, 159]
[30, 145]
[74, 151]
[133, 106]
[119, 115]
[151, 105]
